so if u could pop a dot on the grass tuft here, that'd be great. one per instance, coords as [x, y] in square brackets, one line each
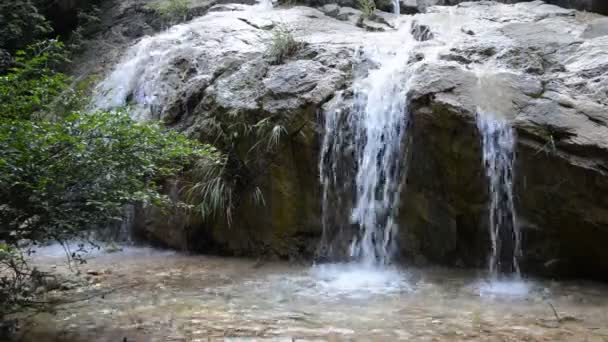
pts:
[283, 45]
[173, 10]
[367, 7]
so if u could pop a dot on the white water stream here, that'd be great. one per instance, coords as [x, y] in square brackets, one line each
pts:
[498, 143]
[381, 121]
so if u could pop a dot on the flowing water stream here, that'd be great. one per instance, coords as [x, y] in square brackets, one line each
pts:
[495, 113]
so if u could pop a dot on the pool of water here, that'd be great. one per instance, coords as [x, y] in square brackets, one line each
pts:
[151, 295]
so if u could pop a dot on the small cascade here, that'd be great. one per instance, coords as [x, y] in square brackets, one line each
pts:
[370, 138]
[498, 141]
[396, 7]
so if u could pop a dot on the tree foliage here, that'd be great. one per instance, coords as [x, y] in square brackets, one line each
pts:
[32, 85]
[367, 7]
[20, 24]
[64, 171]
[58, 178]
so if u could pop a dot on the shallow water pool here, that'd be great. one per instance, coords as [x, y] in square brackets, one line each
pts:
[152, 295]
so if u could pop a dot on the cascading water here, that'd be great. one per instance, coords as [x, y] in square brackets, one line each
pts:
[372, 134]
[498, 141]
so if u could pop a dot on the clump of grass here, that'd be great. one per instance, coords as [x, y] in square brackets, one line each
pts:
[283, 45]
[218, 186]
[367, 8]
[212, 191]
[173, 10]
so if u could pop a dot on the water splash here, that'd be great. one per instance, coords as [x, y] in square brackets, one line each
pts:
[508, 288]
[354, 280]
[498, 141]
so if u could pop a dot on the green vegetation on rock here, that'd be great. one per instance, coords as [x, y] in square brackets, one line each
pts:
[283, 45]
[173, 10]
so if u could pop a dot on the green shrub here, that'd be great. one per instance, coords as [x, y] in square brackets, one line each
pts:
[32, 85]
[249, 143]
[64, 173]
[21, 24]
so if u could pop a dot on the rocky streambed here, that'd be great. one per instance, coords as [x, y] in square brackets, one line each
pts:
[152, 295]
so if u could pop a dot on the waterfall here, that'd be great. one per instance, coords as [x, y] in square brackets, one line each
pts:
[369, 136]
[498, 142]
[396, 7]
[380, 111]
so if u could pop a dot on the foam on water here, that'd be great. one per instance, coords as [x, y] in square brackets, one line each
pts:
[357, 280]
[512, 288]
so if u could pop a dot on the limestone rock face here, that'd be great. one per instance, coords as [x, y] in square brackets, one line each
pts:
[542, 67]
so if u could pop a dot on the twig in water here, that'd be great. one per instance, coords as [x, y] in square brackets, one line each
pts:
[554, 312]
